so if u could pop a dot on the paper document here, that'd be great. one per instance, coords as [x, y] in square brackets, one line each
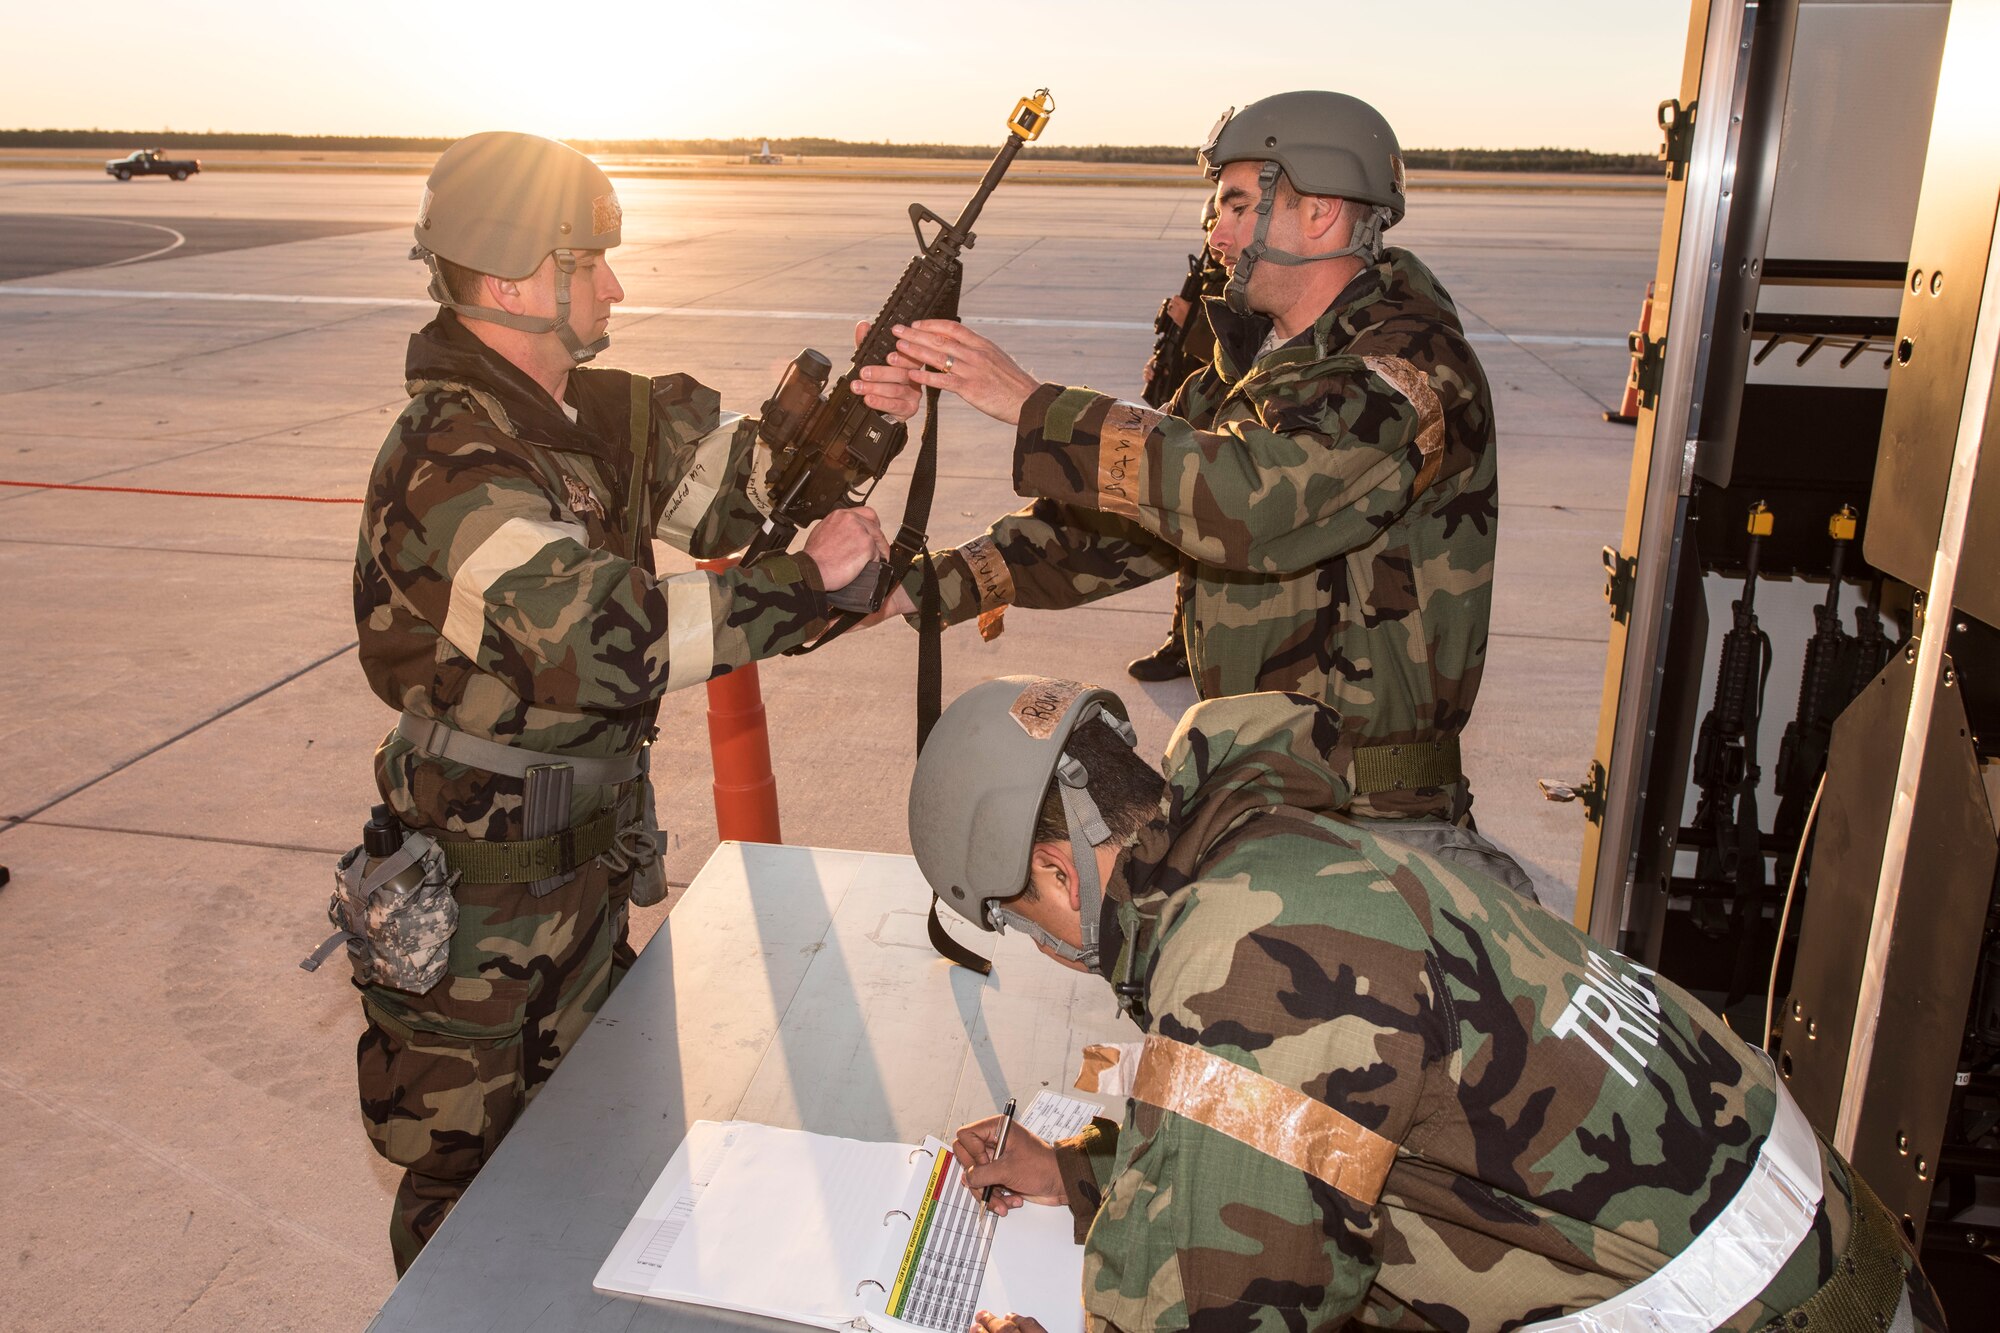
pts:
[838, 1233]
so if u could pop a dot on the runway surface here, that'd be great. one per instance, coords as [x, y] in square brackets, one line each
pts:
[187, 736]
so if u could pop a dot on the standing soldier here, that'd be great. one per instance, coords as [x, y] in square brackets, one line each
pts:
[1372, 1085]
[1330, 474]
[1187, 343]
[508, 607]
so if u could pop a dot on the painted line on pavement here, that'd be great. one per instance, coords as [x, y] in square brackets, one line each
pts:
[72, 1112]
[715, 312]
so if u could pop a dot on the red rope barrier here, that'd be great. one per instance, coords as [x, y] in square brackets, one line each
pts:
[195, 495]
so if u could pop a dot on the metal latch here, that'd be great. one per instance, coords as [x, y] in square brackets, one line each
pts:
[1621, 573]
[1591, 792]
[1649, 361]
[1677, 123]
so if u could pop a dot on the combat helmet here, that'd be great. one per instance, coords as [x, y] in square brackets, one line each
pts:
[978, 788]
[501, 203]
[1325, 144]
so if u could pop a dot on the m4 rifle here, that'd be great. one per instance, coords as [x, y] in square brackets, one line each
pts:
[1173, 359]
[830, 448]
[1729, 854]
[1827, 684]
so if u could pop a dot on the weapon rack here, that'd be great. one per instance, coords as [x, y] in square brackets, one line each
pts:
[1829, 290]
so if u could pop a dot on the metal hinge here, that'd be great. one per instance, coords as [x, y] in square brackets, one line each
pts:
[1591, 792]
[1621, 573]
[1677, 123]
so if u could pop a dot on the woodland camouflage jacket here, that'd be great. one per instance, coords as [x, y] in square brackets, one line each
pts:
[1531, 1122]
[495, 587]
[1336, 496]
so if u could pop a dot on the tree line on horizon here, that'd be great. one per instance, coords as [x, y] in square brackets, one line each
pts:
[1435, 159]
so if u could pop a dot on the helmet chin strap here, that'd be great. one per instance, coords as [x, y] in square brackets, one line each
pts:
[1366, 241]
[558, 324]
[1087, 831]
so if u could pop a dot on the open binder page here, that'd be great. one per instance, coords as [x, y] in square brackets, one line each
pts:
[635, 1260]
[825, 1231]
[789, 1225]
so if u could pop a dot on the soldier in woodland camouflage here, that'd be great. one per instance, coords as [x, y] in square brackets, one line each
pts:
[508, 606]
[1372, 1086]
[1330, 473]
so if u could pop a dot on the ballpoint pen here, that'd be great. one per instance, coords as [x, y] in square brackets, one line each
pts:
[1000, 1145]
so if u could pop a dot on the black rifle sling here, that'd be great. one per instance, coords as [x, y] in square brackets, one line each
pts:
[913, 543]
[930, 655]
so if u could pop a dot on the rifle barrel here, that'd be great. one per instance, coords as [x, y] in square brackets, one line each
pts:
[1001, 161]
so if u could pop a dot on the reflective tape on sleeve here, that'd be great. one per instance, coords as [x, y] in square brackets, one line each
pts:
[990, 575]
[757, 486]
[1259, 1112]
[1404, 377]
[694, 494]
[1108, 1068]
[690, 629]
[513, 544]
[1121, 456]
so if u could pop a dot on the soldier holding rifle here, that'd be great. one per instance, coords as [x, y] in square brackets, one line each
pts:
[1330, 473]
[509, 608]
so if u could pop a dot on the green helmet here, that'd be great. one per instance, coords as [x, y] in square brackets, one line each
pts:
[1325, 144]
[978, 789]
[501, 203]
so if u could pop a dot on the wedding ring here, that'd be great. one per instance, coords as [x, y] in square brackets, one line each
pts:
[948, 359]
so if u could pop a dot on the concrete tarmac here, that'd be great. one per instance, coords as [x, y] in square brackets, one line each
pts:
[186, 735]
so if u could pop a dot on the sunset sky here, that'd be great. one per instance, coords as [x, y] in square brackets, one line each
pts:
[1475, 73]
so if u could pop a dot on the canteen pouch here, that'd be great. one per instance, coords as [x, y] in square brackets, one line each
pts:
[397, 926]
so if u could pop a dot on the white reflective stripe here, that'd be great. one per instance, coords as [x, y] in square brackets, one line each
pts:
[690, 629]
[696, 491]
[1734, 1257]
[513, 544]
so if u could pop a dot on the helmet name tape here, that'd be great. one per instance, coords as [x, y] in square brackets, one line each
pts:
[1041, 706]
[424, 208]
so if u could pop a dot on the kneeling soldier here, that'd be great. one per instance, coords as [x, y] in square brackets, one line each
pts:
[1372, 1085]
[508, 606]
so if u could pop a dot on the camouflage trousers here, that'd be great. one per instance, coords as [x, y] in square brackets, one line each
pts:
[444, 1074]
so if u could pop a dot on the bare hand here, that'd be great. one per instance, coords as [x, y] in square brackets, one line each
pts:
[1177, 310]
[843, 542]
[988, 1322]
[968, 365]
[890, 394]
[1026, 1172]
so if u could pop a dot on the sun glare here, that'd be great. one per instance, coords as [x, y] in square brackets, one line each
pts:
[641, 75]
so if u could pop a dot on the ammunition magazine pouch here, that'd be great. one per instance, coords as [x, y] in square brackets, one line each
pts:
[1379, 768]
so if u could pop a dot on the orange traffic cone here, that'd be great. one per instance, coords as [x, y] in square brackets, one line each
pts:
[1628, 407]
[746, 792]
